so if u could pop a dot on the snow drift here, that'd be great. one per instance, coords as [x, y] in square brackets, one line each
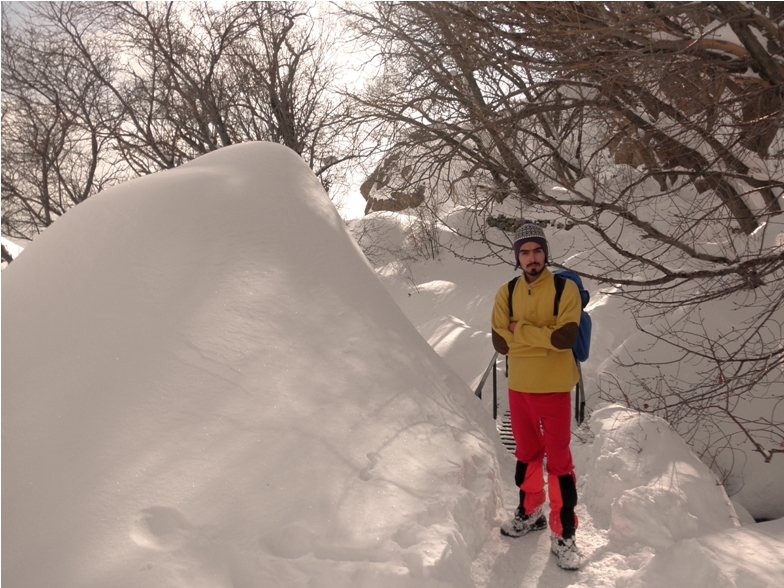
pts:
[664, 518]
[747, 557]
[206, 384]
[645, 485]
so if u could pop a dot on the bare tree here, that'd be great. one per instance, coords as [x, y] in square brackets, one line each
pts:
[644, 127]
[287, 88]
[55, 141]
[197, 78]
[93, 92]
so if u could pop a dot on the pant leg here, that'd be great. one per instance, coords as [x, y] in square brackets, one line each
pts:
[529, 451]
[530, 480]
[563, 499]
[555, 412]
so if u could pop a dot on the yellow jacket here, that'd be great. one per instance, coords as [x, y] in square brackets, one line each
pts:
[540, 349]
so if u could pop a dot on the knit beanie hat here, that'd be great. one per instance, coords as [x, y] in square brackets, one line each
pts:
[528, 231]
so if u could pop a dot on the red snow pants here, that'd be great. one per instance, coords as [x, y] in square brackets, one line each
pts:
[541, 428]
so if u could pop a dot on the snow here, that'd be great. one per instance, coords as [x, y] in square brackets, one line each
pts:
[739, 557]
[205, 383]
[638, 470]
[13, 248]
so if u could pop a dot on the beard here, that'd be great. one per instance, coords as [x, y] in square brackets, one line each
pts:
[533, 270]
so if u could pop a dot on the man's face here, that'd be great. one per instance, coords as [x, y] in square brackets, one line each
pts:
[531, 258]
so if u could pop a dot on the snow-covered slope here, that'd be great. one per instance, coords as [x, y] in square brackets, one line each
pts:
[736, 558]
[644, 484]
[204, 383]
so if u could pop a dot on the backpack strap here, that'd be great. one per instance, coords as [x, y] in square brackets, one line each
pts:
[511, 286]
[560, 284]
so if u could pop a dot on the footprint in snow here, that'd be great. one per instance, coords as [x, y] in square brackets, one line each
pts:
[160, 528]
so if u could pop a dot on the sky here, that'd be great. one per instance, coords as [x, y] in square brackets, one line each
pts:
[233, 396]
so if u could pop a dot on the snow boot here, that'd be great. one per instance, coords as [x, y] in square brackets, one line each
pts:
[566, 553]
[523, 523]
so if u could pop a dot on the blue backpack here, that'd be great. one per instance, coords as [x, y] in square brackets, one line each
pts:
[582, 348]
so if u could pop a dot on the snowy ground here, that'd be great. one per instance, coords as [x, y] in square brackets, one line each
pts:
[206, 384]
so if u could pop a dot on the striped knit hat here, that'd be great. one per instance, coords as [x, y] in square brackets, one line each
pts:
[528, 231]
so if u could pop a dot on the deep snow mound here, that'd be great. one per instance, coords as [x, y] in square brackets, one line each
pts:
[205, 384]
[643, 482]
[660, 516]
[735, 558]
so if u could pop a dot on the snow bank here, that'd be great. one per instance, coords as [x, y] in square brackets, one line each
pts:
[449, 301]
[205, 384]
[668, 521]
[748, 479]
[749, 557]
[640, 480]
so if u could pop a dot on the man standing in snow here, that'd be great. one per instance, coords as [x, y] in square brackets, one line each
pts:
[542, 372]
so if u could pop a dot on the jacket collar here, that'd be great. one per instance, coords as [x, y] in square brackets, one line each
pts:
[543, 278]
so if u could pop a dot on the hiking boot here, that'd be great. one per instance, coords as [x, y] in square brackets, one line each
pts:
[523, 523]
[566, 553]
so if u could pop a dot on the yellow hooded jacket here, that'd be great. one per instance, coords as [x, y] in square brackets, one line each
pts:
[535, 363]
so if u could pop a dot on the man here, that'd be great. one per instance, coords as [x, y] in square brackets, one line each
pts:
[542, 372]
